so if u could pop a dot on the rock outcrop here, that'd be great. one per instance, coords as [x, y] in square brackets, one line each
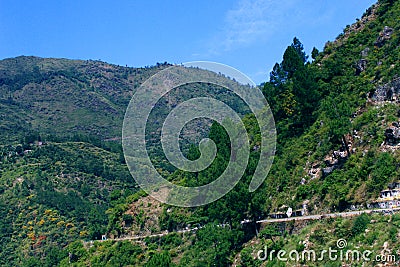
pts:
[387, 92]
[392, 134]
[314, 172]
[333, 162]
[361, 65]
[384, 36]
[365, 52]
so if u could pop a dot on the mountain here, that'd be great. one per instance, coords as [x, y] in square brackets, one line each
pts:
[61, 159]
[60, 97]
[65, 184]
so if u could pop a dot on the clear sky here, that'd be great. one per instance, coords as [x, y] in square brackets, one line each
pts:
[247, 35]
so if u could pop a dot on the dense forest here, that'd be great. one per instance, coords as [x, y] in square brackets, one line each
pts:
[65, 186]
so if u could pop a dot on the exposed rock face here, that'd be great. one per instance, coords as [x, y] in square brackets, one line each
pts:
[365, 52]
[333, 162]
[361, 65]
[383, 36]
[387, 92]
[394, 185]
[328, 170]
[315, 171]
[392, 134]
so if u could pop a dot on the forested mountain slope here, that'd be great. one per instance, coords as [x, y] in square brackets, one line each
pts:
[337, 117]
[64, 97]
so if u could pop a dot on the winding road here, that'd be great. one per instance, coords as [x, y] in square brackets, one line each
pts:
[330, 215]
[138, 238]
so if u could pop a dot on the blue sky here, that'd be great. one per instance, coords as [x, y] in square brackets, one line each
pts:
[247, 35]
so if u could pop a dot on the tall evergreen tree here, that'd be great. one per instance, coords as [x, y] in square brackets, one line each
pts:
[314, 53]
[293, 91]
[298, 46]
[277, 77]
[292, 61]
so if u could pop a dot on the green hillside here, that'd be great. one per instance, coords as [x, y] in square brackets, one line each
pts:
[64, 182]
[65, 97]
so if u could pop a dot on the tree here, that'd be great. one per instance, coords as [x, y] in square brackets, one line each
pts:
[19, 150]
[314, 53]
[360, 224]
[54, 256]
[215, 242]
[256, 205]
[158, 260]
[277, 77]
[298, 46]
[293, 92]
[293, 57]
[246, 258]
[338, 113]
[307, 95]
[270, 232]
[292, 61]
[221, 138]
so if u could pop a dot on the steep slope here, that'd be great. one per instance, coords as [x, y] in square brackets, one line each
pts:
[61, 165]
[61, 97]
[349, 74]
[338, 148]
[63, 176]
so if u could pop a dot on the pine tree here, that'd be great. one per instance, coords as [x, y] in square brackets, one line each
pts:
[292, 61]
[277, 77]
[298, 46]
[314, 53]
